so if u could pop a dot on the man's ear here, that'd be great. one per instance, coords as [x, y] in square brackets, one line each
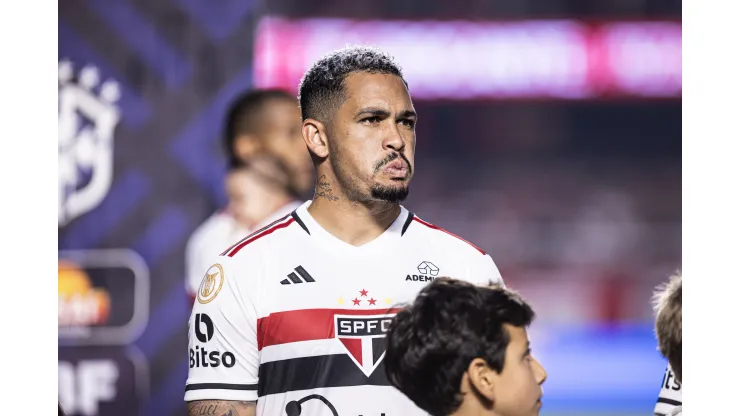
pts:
[482, 379]
[247, 146]
[314, 134]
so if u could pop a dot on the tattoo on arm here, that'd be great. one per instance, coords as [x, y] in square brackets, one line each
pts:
[323, 190]
[221, 408]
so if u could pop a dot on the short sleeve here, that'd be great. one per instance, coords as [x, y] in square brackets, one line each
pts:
[222, 335]
[670, 394]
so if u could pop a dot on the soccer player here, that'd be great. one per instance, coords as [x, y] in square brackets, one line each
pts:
[667, 303]
[258, 123]
[462, 349]
[291, 320]
[258, 194]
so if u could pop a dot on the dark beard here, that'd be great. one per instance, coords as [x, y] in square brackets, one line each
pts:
[352, 189]
[390, 194]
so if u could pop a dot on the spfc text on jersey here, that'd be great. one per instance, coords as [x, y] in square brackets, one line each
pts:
[351, 326]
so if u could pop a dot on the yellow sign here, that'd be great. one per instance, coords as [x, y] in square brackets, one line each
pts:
[80, 304]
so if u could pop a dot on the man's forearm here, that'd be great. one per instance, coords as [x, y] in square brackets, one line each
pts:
[221, 408]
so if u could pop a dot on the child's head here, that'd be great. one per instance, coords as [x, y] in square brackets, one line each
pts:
[461, 347]
[667, 303]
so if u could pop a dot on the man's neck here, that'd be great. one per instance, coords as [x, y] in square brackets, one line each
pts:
[354, 223]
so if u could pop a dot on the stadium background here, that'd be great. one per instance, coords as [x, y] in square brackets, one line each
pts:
[550, 135]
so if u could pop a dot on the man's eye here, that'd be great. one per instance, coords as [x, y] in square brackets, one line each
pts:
[408, 123]
[372, 120]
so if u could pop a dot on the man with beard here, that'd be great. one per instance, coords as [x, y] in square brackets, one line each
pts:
[291, 320]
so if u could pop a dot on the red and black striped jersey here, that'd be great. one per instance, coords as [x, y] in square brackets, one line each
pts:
[295, 318]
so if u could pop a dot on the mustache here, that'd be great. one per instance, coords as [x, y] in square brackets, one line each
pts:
[390, 158]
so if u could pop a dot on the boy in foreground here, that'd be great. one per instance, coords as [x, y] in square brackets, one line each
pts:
[462, 350]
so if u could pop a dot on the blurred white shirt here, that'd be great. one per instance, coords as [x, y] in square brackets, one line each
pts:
[215, 235]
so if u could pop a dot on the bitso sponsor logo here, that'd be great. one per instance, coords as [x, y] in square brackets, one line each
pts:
[200, 356]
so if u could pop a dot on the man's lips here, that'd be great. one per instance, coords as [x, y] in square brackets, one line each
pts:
[397, 169]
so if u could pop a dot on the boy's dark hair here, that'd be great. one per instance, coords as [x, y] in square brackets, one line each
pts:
[321, 90]
[243, 117]
[431, 343]
[667, 304]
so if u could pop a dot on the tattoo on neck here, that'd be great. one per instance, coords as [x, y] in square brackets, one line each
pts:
[323, 190]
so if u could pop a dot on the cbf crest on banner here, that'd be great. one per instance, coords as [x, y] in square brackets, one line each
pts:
[88, 117]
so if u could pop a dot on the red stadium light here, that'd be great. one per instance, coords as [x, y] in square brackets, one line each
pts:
[458, 60]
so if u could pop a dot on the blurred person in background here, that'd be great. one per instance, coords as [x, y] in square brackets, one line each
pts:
[258, 123]
[269, 122]
[258, 193]
[270, 302]
[462, 350]
[668, 324]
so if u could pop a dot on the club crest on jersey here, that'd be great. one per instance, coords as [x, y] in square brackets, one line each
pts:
[363, 336]
[88, 116]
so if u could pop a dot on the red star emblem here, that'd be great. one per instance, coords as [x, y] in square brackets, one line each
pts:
[356, 301]
[363, 292]
[372, 301]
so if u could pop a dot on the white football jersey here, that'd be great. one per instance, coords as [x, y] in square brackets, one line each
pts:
[295, 318]
[670, 394]
[209, 239]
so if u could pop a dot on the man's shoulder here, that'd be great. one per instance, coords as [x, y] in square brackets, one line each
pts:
[424, 230]
[265, 239]
[461, 258]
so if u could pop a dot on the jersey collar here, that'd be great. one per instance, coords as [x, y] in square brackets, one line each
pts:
[390, 236]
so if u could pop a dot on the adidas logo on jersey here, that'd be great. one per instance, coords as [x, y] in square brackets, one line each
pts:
[428, 272]
[295, 279]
